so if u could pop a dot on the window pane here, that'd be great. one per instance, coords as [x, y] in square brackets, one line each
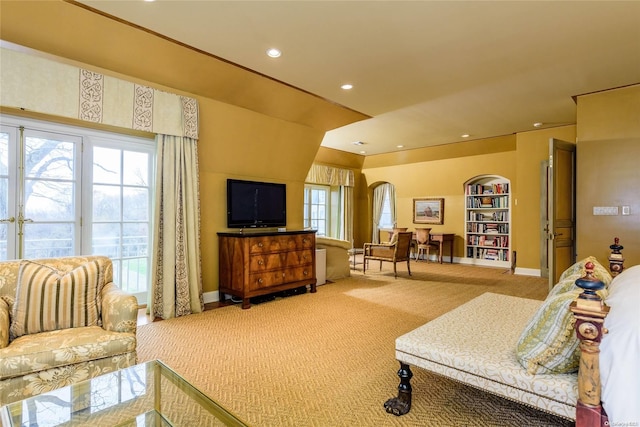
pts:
[136, 169]
[106, 240]
[106, 203]
[49, 200]
[48, 159]
[134, 275]
[136, 201]
[106, 166]
[135, 239]
[48, 240]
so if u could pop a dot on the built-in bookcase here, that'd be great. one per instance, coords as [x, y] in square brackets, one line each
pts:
[488, 221]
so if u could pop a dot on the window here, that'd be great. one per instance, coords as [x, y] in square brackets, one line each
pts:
[317, 207]
[70, 191]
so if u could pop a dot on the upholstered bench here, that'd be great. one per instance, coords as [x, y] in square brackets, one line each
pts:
[475, 343]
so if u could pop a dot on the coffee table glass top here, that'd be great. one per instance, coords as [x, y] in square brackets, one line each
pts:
[149, 394]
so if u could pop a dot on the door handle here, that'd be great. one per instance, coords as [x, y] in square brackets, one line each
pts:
[12, 219]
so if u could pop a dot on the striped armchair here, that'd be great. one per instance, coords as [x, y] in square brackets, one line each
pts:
[62, 320]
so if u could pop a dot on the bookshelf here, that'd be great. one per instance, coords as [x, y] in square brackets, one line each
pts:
[488, 221]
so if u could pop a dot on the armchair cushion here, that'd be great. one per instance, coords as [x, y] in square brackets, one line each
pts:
[36, 352]
[47, 299]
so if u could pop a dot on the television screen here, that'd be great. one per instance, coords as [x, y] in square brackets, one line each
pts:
[256, 204]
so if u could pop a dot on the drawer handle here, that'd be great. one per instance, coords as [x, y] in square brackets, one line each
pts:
[305, 272]
[304, 256]
[260, 262]
[305, 240]
[260, 280]
[260, 244]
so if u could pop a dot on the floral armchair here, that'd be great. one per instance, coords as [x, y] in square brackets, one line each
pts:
[62, 320]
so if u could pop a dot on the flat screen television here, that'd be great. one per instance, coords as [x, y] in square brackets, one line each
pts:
[256, 204]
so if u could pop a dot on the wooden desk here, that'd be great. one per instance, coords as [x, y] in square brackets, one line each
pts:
[441, 238]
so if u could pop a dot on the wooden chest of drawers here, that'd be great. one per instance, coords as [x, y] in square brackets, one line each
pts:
[259, 263]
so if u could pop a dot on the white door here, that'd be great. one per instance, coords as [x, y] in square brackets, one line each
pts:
[40, 193]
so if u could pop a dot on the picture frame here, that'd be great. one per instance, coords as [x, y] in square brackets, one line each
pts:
[428, 210]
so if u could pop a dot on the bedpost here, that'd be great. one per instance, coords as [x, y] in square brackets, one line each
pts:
[616, 260]
[590, 311]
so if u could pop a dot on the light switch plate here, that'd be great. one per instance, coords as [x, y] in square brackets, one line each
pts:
[626, 210]
[605, 210]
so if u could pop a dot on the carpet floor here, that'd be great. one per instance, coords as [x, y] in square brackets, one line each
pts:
[328, 359]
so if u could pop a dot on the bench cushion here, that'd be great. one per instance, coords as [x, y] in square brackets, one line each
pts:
[475, 344]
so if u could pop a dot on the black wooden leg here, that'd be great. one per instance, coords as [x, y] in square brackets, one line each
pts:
[401, 404]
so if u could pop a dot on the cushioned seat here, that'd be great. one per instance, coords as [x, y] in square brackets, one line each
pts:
[337, 256]
[62, 320]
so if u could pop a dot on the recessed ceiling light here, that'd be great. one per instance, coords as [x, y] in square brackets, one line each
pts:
[537, 124]
[358, 143]
[363, 152]
[347, 86]
[400, 146]
[274, 53]
[465, 135]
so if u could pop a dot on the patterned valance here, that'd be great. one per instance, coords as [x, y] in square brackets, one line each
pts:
[35, 83]
[329, 175]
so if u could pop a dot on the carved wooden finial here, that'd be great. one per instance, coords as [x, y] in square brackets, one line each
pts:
[616, 260]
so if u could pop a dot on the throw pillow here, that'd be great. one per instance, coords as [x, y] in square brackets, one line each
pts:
[548, 344]
[568, 277]
[48, 300]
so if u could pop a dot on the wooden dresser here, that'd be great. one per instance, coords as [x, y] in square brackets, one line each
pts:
[258, 263]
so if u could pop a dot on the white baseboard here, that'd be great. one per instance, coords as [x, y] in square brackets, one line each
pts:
[527, 271]
[485, 263]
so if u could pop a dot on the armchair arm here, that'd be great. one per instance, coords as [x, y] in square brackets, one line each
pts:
[5, 321]
[119, 309]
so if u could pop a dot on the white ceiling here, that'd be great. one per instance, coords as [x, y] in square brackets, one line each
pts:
[425, 71]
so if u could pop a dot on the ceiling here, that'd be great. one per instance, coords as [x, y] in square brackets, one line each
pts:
[426, 72]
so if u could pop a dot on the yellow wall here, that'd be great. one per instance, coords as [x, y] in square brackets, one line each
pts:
[255, 128]
[441, 178]
[608, 150]
[251, 127]
[531, 150]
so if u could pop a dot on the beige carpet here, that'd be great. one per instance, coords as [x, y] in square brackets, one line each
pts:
[327, 359]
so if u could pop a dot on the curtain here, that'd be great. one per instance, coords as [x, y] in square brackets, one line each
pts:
[378, 201]
[391, 192]
[346, 224]
[176, 286]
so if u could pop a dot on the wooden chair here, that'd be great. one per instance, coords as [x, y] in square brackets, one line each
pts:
[398, 250]
[424, 243]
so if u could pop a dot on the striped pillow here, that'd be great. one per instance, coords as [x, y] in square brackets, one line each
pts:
[48, 300]
[548, 344]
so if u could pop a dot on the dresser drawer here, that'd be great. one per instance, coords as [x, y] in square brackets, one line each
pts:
[265, 244]
[273, 261]
[266, 279]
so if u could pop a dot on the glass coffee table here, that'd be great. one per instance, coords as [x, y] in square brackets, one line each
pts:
[145, 395]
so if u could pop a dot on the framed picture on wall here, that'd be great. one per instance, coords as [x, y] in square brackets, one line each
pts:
[428, 211]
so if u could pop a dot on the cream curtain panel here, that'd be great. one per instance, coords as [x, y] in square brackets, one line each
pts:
[345, 179]
[176, 285]
[346, 224]
[378, 201]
